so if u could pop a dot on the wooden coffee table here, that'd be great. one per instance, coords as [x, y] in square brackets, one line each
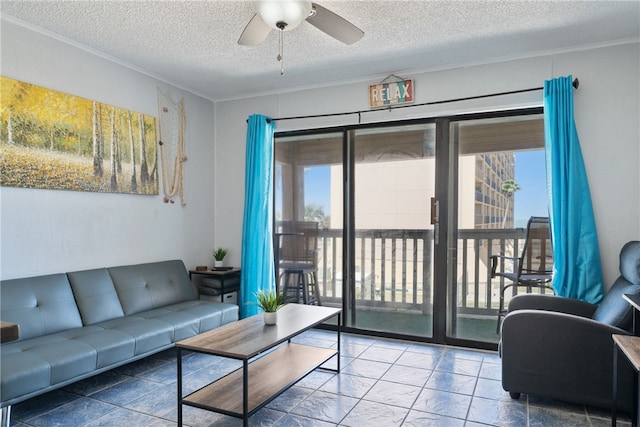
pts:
[263, 376]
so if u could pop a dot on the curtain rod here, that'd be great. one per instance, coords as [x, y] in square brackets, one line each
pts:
[575, 84]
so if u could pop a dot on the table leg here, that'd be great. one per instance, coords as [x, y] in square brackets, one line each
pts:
[6, 416]
[245, 393]
[179, 374]
[339, 322]
[636, 396]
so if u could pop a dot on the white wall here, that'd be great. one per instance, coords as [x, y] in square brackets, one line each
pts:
[51, 231]
[606, 110]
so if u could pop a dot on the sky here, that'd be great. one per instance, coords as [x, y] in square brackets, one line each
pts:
[317, 181]
[531, 199]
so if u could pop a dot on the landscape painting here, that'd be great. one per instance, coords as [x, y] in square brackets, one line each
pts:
[53, 140]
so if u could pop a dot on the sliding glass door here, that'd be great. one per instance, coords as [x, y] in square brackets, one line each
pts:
[393, 185]
[408, 215]
[370, 191]
[309, 188]
[499, 182]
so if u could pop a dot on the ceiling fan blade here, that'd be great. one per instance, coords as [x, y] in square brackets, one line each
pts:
[334, 25]
[255, 32]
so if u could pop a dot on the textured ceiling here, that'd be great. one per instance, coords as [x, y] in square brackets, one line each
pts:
[193, 44]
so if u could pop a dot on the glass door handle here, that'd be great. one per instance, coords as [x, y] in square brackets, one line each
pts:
[435, 211]
[435, 219]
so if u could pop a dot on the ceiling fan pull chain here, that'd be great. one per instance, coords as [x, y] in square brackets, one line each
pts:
[281, 52]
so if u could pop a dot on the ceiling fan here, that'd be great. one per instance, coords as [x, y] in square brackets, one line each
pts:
[285, 15]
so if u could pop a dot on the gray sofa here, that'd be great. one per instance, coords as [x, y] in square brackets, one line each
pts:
[562, 348]
[79, 324]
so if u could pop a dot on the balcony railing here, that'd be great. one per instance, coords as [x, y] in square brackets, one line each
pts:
[393, 268]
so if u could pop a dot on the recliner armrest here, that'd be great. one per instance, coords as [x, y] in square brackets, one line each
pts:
[552, 303]
[555, 327]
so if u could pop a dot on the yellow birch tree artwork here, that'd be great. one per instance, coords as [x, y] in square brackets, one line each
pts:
[53, 140]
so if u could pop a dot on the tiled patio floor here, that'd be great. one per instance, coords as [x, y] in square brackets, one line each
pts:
[382, 383]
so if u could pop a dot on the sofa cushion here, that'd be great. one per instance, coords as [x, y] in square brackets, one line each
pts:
[184, 324]
[113, 346]
[95, 295]
[43, 362]
[193, 317]
[148, 286]
[209, 318]
[22, 372]
[40, 305]
[149, 335]
[65, 358]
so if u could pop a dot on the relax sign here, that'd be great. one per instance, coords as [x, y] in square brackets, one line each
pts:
[383, 94]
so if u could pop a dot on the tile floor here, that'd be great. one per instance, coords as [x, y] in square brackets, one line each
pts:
[382, 383]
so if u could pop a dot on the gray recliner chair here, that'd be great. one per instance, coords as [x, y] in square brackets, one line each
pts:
[562, 348]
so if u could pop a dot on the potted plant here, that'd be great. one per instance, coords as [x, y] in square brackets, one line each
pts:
[270, 302]
[218, 256]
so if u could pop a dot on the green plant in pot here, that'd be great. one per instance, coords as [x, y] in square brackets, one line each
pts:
[218, 256]
[270, 302]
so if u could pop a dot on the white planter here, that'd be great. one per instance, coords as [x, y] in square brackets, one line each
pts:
[270, 318]
[218, 264]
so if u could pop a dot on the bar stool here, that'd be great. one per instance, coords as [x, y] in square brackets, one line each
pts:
[297, 261]
[300, 284]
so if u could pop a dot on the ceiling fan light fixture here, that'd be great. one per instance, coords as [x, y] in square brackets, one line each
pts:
[276, 12]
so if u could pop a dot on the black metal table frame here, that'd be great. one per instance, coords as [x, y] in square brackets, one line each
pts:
[634, 300]
[245, 386]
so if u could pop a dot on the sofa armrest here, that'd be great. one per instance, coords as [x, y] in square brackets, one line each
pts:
[562, 356]
[552, 303]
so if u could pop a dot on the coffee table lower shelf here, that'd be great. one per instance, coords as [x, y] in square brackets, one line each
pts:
[267, 377]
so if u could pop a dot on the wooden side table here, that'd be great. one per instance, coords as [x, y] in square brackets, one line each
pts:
[9, 331]
[224, 277]
[630, 347]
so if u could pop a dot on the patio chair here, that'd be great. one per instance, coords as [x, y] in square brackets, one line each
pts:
[532, 269]
[297, 262]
